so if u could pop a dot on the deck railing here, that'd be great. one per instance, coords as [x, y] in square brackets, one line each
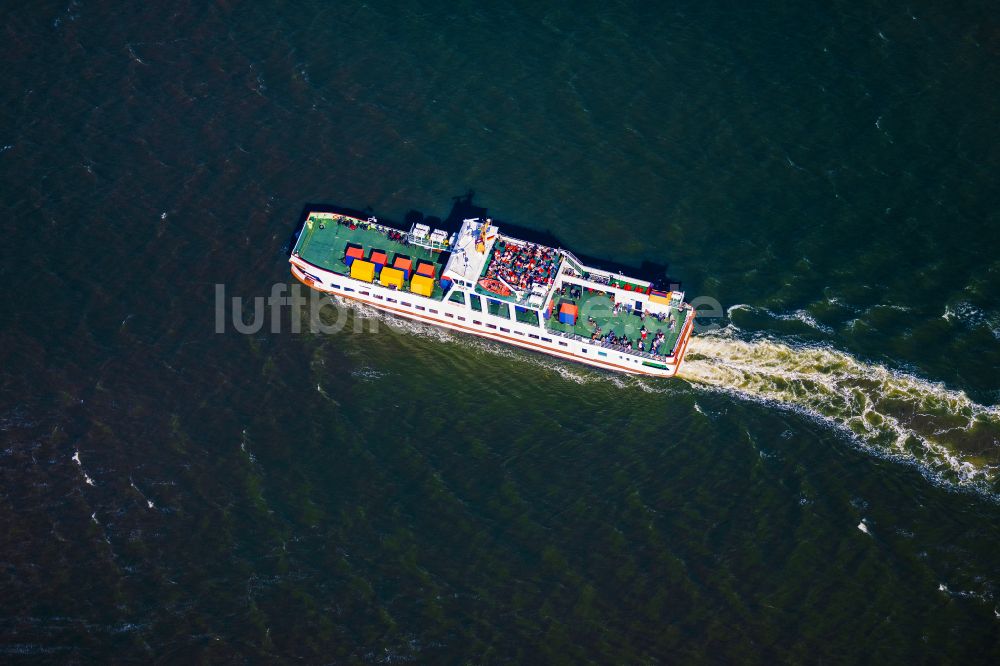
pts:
[575, 263]
[424, 241]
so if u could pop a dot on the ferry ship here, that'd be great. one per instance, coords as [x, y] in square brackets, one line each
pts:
[477, 280]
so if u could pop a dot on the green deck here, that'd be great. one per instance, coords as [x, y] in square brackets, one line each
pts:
[599, 306]
[325, 247]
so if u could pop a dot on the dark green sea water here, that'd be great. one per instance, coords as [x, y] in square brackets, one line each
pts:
[825, 170]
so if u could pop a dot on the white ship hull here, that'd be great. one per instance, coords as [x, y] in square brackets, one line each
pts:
[462, 318]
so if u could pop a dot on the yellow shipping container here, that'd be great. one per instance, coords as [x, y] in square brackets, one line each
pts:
[391, 277]
[362, 270]
[421, 284]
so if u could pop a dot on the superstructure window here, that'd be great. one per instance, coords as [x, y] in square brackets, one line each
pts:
[476, 303]
[457, 297]
[526, 316]
[498, 308]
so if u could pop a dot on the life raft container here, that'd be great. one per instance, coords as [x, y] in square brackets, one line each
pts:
[495, 287]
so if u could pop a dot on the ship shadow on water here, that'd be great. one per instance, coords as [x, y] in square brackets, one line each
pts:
[463, 207]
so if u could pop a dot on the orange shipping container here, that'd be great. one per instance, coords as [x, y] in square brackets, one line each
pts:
[569, 308]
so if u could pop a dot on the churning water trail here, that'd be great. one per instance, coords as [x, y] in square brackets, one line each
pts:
[950, 437]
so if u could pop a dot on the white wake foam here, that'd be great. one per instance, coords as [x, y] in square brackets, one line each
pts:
[801, 316]
[972, 317]
[891, 412]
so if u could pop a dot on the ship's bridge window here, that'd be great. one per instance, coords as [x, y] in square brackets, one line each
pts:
[457, 297]
[476, 303]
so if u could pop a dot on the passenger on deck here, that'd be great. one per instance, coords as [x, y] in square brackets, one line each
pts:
[522, 267]
[658, 341]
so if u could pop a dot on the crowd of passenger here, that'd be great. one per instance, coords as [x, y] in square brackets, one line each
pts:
[523, 266]
[639, 343]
